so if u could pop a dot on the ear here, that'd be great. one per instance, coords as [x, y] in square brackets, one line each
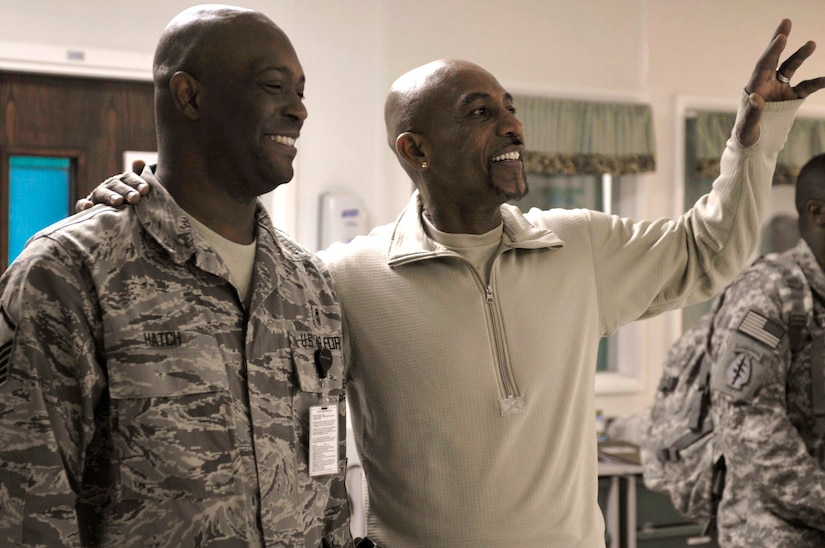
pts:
[187, 94]
[815, 210]
[410, 148]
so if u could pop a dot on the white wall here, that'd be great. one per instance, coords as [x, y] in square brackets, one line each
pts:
[673, 53]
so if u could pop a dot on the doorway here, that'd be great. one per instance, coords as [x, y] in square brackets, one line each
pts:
[75, 129]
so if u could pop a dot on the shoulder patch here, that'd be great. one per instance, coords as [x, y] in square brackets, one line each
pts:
[764, 330]
[738, 372]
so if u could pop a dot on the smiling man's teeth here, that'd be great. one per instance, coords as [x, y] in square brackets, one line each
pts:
[507, 156]
[283, 140]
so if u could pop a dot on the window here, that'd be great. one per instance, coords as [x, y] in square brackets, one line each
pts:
[698, 182]
[596, 192]
[573, 147]
[39, 195]
[705, 134]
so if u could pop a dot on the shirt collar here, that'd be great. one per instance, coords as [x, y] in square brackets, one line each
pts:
[410, 242]
[166, 223]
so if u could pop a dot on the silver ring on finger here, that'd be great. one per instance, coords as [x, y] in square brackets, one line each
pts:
[784, 80]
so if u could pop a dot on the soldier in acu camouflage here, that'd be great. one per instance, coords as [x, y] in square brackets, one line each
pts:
[769, 402]
[148, 396]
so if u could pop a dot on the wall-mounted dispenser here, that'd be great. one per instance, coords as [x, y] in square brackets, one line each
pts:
[341, 218]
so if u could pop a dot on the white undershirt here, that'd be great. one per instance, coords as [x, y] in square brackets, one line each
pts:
[478, 249]
[238, 258]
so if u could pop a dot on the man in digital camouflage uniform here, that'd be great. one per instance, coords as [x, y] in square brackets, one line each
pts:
[158, 363]
[768, 428]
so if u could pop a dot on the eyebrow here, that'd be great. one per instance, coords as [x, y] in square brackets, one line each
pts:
[301, 78]
[469, 98]
[280, 68]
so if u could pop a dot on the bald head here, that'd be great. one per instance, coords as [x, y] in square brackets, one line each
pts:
[409, 98]
[197, 39]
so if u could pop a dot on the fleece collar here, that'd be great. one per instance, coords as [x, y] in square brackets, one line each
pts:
[409, 241]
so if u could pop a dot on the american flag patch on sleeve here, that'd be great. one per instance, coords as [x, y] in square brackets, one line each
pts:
[764, 330]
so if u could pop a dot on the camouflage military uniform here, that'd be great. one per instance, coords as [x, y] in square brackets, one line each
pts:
[762, 408]
[141, 405]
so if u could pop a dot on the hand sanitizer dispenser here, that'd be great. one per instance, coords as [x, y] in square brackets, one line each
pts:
[341, 218]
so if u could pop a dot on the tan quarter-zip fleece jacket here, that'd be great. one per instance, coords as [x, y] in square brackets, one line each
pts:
[472, 403]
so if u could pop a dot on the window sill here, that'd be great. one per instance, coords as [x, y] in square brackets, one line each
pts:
[611, 383]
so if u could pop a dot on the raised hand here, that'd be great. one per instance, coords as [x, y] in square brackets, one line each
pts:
[771, 81]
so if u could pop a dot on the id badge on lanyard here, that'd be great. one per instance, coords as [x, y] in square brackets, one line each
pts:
[323, 423]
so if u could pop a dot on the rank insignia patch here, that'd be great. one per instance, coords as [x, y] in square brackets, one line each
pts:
[6, 345]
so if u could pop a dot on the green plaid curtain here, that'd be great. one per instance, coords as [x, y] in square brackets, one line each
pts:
[713, 129]
[565, 137]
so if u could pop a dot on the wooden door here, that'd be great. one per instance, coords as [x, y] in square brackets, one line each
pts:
[90, 121]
